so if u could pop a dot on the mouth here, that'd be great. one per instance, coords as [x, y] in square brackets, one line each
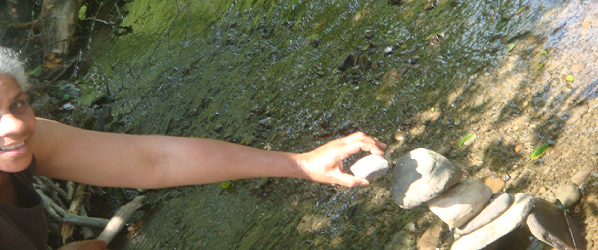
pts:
[12, 147]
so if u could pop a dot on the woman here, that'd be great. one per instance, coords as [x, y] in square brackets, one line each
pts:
[30, 145]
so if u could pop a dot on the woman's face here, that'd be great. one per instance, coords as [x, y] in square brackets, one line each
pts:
[17, 125]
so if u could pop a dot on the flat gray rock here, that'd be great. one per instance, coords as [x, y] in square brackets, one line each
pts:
[370, 167]
[505, 223]
[461, 202]
[550, 225]
[420, 176]
[499, 203]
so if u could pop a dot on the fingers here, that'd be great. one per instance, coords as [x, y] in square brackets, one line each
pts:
[359, 141]
[352, 181]
[100, 243]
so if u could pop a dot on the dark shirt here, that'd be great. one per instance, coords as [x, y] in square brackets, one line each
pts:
[24, 227]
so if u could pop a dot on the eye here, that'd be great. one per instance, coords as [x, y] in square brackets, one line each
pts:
[18, 105]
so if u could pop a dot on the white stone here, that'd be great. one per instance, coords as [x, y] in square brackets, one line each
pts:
[370, 167]
[420, 176]
[459, 204]
[507, 222]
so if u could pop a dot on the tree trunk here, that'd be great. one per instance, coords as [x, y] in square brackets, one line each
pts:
[59, 22]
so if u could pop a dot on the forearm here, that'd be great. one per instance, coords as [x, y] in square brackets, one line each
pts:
[191, 161]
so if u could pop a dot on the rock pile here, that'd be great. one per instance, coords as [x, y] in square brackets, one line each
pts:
[478, 218]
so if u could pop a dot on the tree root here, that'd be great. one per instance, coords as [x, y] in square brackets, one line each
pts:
[53, 197]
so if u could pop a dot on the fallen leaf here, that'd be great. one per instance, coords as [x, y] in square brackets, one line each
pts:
[510, 46]
[539, 152]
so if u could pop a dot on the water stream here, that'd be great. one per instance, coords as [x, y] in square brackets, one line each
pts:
[293, 74]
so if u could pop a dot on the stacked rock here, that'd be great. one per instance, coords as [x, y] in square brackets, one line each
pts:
[478, 218]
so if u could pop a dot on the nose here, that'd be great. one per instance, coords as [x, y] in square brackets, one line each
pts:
[11, 125]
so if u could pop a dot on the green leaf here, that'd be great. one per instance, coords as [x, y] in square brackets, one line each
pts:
[510, 46]
[569, 78]
[543, 52]
[539, 152]
[539, 66]
[465, 139]
[225, 185]
[36, 72]
[82, 12]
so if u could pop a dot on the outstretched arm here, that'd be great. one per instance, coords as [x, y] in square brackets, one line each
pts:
[153, 161]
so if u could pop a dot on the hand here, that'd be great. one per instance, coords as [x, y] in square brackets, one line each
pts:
[86, 245]
[325, 164]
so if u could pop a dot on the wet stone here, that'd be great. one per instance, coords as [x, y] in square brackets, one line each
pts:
[550, 225]
[432, 238]
[402, 241]
[505, 223]
[400, 136]
[370, 167]
[498, 204]
[581, 175]
[460, 203]
[495, 183]
[420, 176]
[369, 33]
[568, 194]
[347, 60]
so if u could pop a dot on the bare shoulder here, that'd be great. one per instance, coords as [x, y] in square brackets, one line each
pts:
[48, 138]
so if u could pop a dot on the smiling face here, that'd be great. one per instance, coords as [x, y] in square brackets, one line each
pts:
[17, 125]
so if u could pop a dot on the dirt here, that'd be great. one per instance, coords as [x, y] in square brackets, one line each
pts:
[517, 74]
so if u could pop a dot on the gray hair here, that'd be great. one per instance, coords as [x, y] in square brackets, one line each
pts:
[12, 66]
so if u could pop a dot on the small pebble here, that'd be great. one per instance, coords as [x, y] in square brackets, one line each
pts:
[410, 227]
[369, 33]
[594, 149]
[432, 237]
[457, 122]
[568, 194]
[581, 175]
[400, 136]
[496, 184]
[387, 50]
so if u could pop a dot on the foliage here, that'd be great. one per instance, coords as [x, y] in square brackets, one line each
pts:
[539, 152]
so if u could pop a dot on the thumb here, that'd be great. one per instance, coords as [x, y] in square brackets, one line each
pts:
[352, 181]
[100, 243]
